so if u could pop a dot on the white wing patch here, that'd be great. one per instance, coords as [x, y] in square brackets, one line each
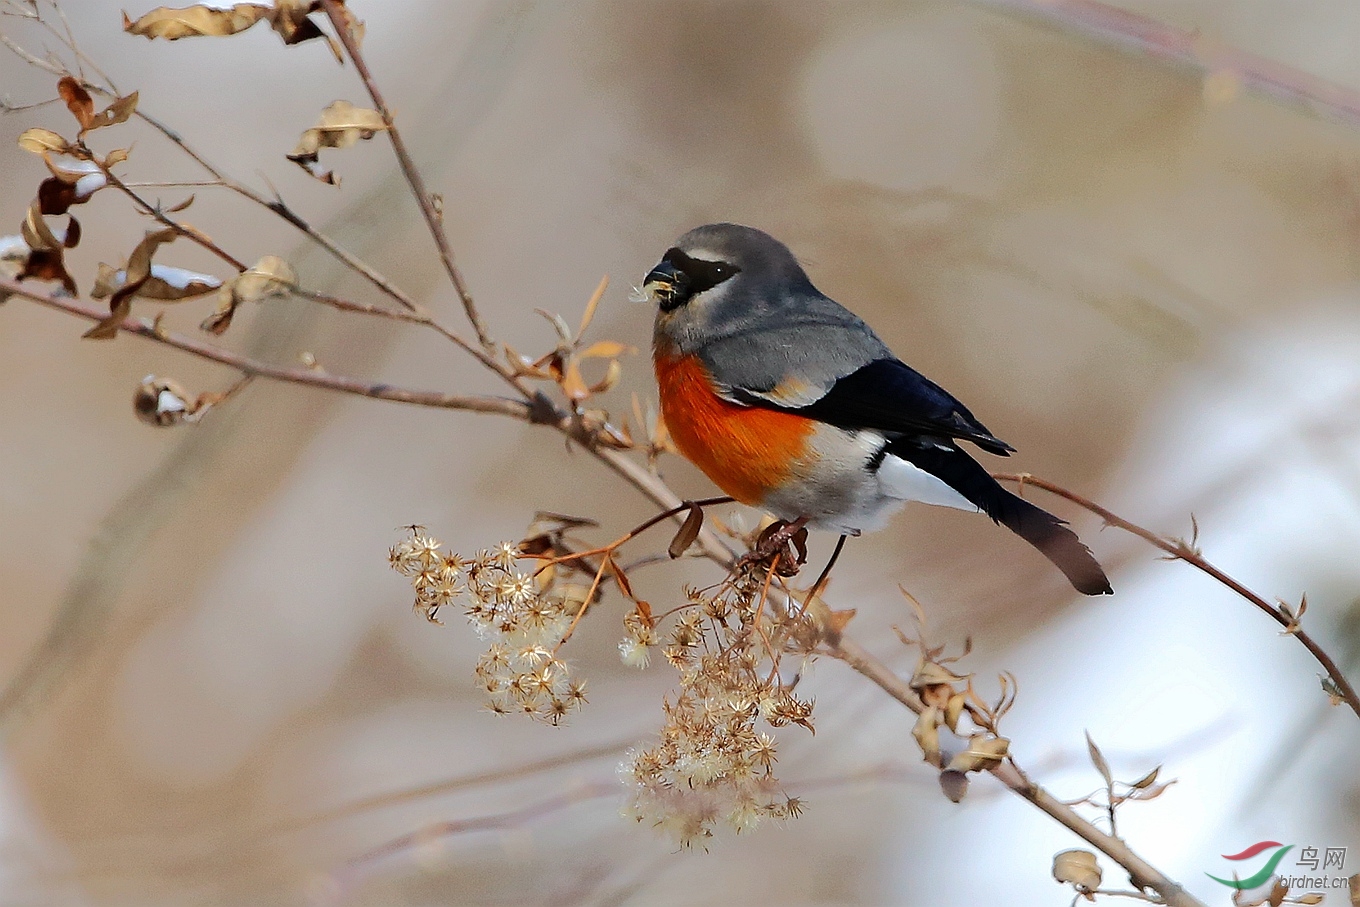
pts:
[901, 480]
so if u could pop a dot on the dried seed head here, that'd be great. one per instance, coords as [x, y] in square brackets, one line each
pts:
[162, 402]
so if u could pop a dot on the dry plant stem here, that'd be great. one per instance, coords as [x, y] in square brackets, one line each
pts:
[1177, 549]
[308, 377]
[433, 219]
[1190, 51]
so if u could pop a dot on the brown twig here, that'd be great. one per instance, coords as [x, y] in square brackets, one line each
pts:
[141, 327]
[433, 219]
[1179, 549]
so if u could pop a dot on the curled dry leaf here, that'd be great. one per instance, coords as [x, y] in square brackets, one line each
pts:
[42, 141]
[926, 731]
[47, 251]
[137, 274]
[196, 21]
[73, 182]
[81, 105]
[164, 283]
[339, 126]
[689, 531]
[289, 19]
[120, 111]
[1079, 869]
[78, 101]
[270, 276]
[984, 752]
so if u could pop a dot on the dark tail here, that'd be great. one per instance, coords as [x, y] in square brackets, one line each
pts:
[1037, 526]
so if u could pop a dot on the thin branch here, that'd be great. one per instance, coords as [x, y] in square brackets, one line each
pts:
[433, 218]
[517, 409]
[1178, 549]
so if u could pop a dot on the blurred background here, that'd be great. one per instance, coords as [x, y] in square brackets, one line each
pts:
[1143, 278]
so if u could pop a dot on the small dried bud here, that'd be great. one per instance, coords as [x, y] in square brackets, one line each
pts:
[162, 402]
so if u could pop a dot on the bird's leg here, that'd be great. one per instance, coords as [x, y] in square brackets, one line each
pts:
[826, 571]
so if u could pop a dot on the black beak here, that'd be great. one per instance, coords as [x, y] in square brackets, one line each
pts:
[668, 284]
[664, 273]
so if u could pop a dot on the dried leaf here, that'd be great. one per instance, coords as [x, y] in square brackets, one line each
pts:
[339, 126]
[78, 101]
[120, 111]
[137, 273]
[984, 752]
[290, 20]
[621, 578]
[182, 206]
[1098, 760]
[41, 141]
[1147, 780]
[953, 710]
[930, 674]
[1152, 793]
[1077, 868]
[37, 233]
[270, 276]
[195, 21]
[689, 531]
[926, 731]
[164, 283]
[573, 384]
[591, 306]
[835, 622]
[116, 157]
[605, 349]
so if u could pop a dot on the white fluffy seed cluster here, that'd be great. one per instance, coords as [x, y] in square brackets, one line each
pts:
[522, 621]
[712, 766]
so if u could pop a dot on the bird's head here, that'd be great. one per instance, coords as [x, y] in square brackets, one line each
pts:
[716, 278]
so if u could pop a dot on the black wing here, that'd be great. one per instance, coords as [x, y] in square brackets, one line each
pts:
[892, 397]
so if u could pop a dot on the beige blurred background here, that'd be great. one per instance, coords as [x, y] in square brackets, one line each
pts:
[1131, 279]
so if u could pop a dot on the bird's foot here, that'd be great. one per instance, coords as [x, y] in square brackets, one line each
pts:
[783, 544]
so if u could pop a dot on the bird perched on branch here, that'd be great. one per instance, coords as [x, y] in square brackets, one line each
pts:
[791, 403]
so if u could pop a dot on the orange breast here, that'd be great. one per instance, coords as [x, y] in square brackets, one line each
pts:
[745, 450]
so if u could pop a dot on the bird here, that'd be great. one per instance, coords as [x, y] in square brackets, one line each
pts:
[789, 402]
